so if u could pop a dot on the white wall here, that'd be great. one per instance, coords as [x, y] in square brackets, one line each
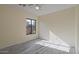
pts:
[77, 15]
[60, 24]
[12, 25]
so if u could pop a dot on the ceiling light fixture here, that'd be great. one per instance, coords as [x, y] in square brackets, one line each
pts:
[37, 7]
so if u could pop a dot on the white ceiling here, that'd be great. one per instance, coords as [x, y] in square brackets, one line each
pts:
[47, 8]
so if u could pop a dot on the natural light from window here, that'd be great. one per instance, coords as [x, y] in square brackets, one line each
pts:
[55, 42]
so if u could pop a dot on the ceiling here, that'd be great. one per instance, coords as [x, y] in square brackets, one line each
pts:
[47, 8]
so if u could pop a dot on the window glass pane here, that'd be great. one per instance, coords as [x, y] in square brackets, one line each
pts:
[28, 22]
[33, 26]
[33, 22]
[28, 27]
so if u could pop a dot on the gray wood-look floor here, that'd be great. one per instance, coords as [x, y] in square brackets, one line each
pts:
[31, 48]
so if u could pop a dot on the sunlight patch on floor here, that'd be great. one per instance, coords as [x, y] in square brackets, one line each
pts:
[51, 45]
[55, 42]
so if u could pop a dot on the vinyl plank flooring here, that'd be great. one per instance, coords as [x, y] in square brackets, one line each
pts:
[31, 47]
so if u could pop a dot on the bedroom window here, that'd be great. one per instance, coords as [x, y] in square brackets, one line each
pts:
[30, 26]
